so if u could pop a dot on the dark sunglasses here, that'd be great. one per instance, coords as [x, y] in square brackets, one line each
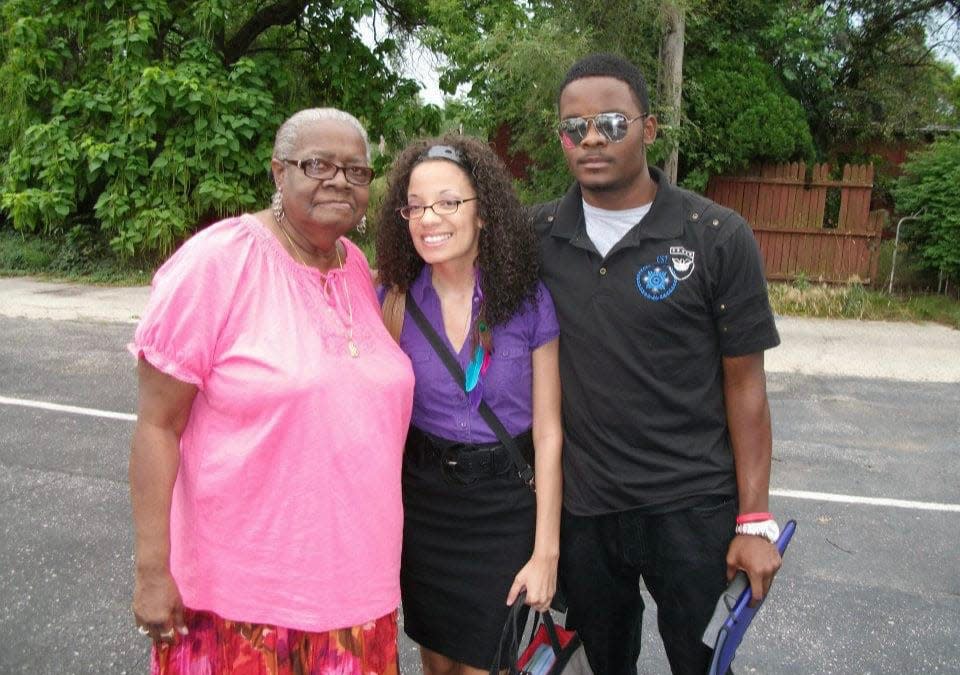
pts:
[321, 169]
[612, 125]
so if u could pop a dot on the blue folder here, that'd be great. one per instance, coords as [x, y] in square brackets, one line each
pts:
[733, 614]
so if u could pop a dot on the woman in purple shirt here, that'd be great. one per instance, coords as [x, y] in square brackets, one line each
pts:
[456, 240]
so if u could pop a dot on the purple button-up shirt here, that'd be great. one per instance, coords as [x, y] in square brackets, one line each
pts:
[440, 405]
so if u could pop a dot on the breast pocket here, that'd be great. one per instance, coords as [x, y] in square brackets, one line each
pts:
[510, 369]
[420, 359]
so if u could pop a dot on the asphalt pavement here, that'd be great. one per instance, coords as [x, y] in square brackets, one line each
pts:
[866, 425]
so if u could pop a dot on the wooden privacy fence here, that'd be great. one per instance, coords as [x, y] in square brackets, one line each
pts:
[796, 220]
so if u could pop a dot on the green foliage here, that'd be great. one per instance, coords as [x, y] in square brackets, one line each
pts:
[513, 56]
[737, 109]
[862, 70]
[881, 79]
[68, 259]
[742, 114]
[127, 124]
[523, 79]
[928, 186]
[134, 122]
[953, 99]
[22, 256]
[801, 282]
[512, 63]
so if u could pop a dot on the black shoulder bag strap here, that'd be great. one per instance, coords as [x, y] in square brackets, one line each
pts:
[519, 463]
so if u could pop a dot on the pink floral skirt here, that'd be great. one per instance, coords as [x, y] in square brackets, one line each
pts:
[218, 646]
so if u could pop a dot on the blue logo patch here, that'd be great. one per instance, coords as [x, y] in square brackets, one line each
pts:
[656, 282]
[659, 280]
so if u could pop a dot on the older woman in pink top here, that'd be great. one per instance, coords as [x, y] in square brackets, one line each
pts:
[265, 470]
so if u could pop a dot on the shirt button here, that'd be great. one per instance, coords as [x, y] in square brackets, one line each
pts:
[715, 223]
[723, 307]
[603, 271]
[463, 425]
[694, 216]
[549, 219]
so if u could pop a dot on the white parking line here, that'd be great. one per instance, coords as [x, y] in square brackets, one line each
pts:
[774, 492]
[872, 501]
[91, 412]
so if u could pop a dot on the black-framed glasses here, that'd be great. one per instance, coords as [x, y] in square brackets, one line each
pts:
[612, 125]
[321, 169]
[442, 207]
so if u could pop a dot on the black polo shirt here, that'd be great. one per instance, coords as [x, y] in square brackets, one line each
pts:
[642, 334]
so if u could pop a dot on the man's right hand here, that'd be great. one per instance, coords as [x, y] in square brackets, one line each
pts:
[758, 558]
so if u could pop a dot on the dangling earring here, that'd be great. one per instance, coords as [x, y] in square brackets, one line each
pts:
[362, 225]
[277, 204]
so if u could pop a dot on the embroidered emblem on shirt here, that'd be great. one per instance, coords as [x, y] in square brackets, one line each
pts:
[682, 260]
[659, 280]
[656, 282]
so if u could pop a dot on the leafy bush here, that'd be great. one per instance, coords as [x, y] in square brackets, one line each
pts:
[929, 185]
[741, 113]
[131, 124]
[18, 256]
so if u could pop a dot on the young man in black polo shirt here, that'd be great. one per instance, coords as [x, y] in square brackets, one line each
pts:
[664, 318]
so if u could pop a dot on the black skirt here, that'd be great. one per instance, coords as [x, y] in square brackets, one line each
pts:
[462, 547]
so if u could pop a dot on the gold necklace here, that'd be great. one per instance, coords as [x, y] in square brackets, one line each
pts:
[295, 246]
[351, 345]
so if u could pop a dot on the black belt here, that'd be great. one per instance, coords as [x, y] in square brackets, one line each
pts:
[463, 463]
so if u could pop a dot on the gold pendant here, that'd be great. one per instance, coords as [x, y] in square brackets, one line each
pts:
[352, 348]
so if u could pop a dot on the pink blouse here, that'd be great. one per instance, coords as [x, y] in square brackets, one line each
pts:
[287, 507]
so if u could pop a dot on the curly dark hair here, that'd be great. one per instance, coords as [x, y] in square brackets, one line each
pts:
[508, 246]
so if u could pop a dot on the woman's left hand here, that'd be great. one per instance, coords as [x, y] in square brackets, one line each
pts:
[539, 578]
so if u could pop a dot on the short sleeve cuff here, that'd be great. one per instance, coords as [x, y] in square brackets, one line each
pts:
[541, 339]
[165, 364]
[547, 328]
[746, 325]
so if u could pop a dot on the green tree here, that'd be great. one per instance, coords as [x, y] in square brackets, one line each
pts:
[929, 186]
[762, 80]
[741, 113]
[882, 78]
[512, 56]
[513, 62]
[133, 122]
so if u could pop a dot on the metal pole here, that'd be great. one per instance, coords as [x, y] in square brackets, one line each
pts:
[896, 245]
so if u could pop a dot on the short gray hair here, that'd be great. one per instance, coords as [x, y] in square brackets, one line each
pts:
[289, 132]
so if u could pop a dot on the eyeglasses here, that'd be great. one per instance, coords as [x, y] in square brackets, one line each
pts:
[442, 207]
[612, 125]
[321, 169]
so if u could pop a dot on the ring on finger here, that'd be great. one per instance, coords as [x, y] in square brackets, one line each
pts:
[167, 634]
[143, 630]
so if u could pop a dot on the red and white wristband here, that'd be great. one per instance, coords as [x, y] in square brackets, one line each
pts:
[758, 525]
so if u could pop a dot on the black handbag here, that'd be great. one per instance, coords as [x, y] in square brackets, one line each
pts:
[522, 467]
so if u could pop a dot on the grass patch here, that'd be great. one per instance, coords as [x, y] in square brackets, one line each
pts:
[856, 302]
[45, 259]
[25, 256]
